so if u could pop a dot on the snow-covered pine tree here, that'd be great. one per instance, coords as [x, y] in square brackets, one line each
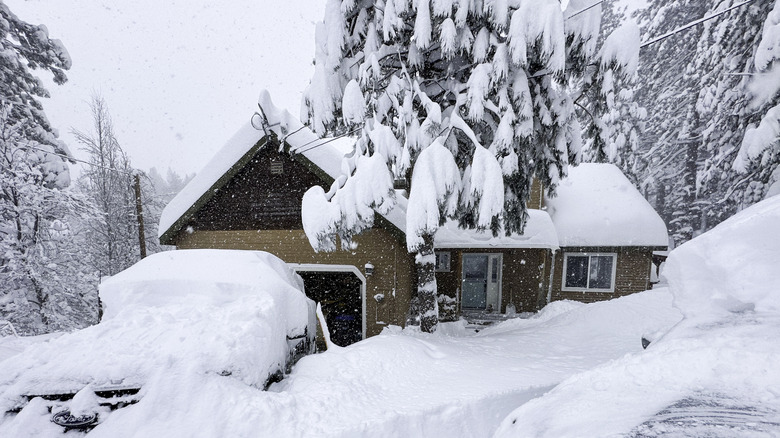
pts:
[40, 285]
[724, 63]
[668, 90]
[618, 140]
[697, 95]
[758, 157]
[469, 100]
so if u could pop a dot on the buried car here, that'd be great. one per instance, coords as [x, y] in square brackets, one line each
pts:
[239, 315]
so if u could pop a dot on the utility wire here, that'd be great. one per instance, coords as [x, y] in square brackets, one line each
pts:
[300, 150]
[80, 161]
[692, 23]
[584, 10]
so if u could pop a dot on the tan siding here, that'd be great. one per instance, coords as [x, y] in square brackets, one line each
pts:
[632, 274]
[392, 264]
[522, 276]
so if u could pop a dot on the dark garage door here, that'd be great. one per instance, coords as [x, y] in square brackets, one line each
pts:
[339, 295]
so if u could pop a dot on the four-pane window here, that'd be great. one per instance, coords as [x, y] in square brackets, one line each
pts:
[583, 271]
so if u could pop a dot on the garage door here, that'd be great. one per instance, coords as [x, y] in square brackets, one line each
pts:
[339, 294]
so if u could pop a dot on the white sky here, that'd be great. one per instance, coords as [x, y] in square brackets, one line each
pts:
[179, 76]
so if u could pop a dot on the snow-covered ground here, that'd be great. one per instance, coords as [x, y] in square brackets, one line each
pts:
[571, 370]
[716, 373]
[403, 383]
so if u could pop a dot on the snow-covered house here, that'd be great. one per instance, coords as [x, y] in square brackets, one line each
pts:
[595, 240]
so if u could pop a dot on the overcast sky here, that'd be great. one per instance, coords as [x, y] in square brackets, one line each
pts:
[179, 76]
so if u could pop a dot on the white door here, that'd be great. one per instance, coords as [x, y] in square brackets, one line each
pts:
[481, 282]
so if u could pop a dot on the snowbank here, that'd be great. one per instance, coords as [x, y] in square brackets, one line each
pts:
[733, 267]
[714, 374]
[401, 383]
[596, 205]
[188, 314]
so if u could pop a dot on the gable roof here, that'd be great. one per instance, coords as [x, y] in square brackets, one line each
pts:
[319, 155]
[596, 205]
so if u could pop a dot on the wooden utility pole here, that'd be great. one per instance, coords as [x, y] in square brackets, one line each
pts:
[139, 214]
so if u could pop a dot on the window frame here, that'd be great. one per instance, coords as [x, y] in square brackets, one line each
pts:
[448, 267]
[566, 256]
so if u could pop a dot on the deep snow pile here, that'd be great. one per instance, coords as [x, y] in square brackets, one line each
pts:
[722, 358]
[11, 345]
[402, 383]
[175, 318]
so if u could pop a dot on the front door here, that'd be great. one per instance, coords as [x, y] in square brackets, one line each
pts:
[481, 282]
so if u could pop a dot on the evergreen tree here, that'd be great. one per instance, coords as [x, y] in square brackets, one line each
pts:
[40, 281]
[696, 88]
[758, 158]
[625, 119]
[669, 143]
[468, 100]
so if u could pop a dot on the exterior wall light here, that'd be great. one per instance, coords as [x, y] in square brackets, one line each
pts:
[369, 269]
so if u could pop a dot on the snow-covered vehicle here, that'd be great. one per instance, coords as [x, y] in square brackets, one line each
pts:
[190, 314]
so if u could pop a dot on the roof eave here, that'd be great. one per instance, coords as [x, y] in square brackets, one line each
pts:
[169, 236]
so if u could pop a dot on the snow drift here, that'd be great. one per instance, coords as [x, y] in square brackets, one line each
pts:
[716, 370]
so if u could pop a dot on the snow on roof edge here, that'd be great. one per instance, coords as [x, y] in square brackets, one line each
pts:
[231, 152]
[596, 205]
[539, 233]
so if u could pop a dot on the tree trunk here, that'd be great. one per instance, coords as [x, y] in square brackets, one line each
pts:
[426, 285]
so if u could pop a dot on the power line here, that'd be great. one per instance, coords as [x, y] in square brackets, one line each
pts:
[692, 23]
[80, 161]
[584, 10]
[299, 151]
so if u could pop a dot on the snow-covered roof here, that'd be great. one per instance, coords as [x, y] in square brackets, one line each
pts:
[323, 153]
[238, 145]
[539, 233]
[596, 205]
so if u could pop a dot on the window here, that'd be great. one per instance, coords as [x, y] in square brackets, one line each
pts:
[442, 261]
[589, 271]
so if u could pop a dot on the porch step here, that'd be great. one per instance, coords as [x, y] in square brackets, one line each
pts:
[479, 320]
